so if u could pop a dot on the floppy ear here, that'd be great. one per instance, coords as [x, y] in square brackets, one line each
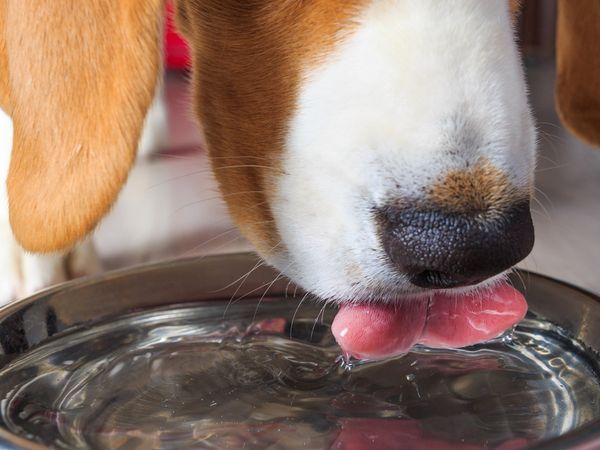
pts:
[3, 60]
[578, 68]
[81, 77]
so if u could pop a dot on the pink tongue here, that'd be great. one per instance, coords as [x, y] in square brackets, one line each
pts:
[380, 331]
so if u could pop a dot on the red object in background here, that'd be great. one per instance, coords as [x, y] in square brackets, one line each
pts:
[177, 54]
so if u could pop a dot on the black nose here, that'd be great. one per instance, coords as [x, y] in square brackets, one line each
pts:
[443, 249]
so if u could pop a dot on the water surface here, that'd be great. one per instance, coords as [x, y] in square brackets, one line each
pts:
[194, 377]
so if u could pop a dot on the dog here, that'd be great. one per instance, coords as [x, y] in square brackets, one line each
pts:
[370, 150]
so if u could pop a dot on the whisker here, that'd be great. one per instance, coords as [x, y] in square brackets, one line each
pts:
[544, 209]
[540, 214]
[258, 264]
[206, 171]
[548, 159]
[261, 158]
[278, 277]
[527, 267]
[550, 139]
[178, 157]
[551, 124]
[322, 311]
[295, 313]
[205, 243]
[210, 171]
[287, 287]
[518, 274]
[250, 292]
[216, 197]
[233, 296]
[548, 169]
[245, 166]
[539, 191]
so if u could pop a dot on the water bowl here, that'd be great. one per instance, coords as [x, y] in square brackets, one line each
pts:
[221, 353]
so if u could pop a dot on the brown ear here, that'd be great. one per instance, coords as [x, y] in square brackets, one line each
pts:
[4, 91]
[578, 68]
[82, 75]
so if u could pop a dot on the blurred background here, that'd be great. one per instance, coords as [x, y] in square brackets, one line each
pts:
[171, 208]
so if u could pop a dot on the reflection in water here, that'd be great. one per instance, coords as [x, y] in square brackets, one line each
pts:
[189, 378]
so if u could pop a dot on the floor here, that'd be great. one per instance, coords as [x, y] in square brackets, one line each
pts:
[171, 208]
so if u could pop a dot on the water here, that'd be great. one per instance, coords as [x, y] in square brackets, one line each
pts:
[188, 378]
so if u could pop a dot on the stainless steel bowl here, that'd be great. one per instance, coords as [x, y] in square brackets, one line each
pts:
[81, 308]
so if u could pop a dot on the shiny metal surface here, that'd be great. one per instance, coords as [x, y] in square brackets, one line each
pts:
[149, 291]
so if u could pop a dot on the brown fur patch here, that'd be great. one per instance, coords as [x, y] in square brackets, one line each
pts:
[248, 60]
[82, 76]
[482, 188]
[515, 7]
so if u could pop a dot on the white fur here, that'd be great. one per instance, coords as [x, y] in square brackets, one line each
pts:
[9, 263]
[155, 134]
[419, 88]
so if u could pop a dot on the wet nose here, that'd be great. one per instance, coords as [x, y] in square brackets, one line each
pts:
[439, 250]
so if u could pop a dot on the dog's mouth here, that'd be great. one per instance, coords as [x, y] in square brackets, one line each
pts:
[444, 320]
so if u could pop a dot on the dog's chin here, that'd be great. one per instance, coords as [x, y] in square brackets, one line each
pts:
[392, 295]
[391, 289]
[472, 290]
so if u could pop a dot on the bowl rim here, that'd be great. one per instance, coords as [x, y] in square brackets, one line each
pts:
[586, 437]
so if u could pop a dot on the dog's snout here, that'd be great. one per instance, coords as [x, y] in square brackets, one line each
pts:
[439, 249]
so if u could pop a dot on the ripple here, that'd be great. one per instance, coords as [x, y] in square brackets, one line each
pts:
[185, 377]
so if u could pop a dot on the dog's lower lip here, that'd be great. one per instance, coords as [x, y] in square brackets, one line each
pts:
[430, 279]
[375, 331]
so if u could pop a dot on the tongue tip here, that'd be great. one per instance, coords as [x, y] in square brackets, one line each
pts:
[371, 331]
